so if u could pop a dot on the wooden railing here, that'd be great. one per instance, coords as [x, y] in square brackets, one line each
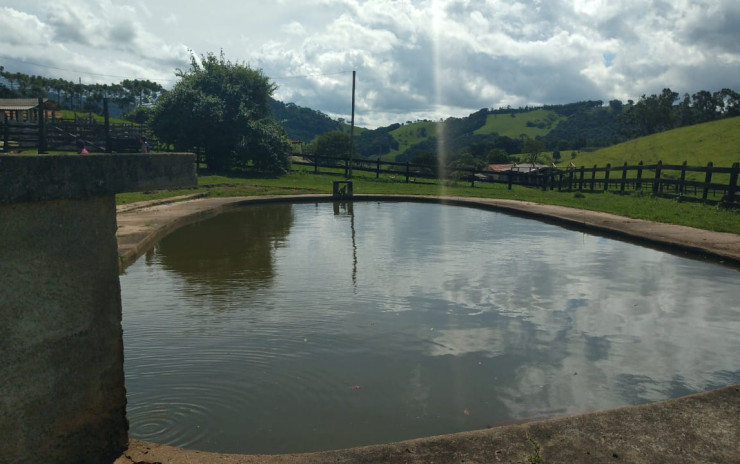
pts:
[47, 134]
[710, 184]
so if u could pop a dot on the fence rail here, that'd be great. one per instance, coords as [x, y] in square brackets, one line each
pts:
[56, 134]
[708, 184]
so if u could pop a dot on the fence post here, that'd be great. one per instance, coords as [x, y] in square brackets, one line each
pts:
[707, 182]
[606, 176]
[6, 133]
[511, 177]
[106, 126]
[570, 180]
[732, 187]
[377, 169]
[316, 163]
[593, 178]
[638, 184]
[624, 178]
[656, 179]
[580, 178]
[560, 181]
[407, 172]
[346, 167]
[544, 176]
[42, 135]
[683, 178]
[472, 178]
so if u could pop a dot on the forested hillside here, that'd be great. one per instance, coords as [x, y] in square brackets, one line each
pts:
[302, 123]
[487, 135]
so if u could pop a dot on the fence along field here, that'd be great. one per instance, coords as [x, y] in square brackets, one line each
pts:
[716, 184]
[719, 184]
[47, 133]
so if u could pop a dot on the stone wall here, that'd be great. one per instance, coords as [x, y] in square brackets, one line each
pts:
[61, 350]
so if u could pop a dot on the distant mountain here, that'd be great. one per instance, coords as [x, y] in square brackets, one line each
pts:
[301, 123]
[564, 127]
[488, 133]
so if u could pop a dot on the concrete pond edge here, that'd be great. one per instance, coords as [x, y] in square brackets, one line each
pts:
[703, 427]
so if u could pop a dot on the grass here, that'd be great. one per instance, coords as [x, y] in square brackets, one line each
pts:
[716, 141]
[514, 126]
[409, 135]
[505, 124]
[535, 457]
[302, 180]
[84, 115]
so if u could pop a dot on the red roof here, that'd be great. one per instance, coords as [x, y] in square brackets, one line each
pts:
[500, 167]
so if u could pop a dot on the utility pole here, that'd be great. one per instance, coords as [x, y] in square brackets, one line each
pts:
[352, 127]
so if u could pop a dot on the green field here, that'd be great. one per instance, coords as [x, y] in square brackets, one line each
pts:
[514, 125]
[409, 135]
[717, 141]
[302, 180]
[84, 115]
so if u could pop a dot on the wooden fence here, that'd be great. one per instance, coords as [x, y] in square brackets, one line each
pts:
[55, 134]
[707, 184]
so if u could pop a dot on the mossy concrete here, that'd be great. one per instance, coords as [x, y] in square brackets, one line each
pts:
[702, 428]
[62, 393]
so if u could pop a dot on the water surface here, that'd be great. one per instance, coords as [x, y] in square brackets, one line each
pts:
[287, 328]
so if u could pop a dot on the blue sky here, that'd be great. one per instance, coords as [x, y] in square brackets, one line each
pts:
[414, 59]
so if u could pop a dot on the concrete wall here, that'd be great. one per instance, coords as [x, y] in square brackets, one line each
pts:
[62, 386]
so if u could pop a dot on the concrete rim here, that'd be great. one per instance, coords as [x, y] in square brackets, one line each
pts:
[698, 428]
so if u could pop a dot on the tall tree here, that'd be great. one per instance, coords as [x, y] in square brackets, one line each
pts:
[532, 150]
[222, 108]
[333, 144]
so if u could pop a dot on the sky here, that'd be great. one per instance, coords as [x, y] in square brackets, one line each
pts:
[427, 59]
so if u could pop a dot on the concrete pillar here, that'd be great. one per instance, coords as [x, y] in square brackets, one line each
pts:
[63, 398]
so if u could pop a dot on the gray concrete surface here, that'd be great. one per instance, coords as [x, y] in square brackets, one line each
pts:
[25, 178]
[703, 428]
[62, 394]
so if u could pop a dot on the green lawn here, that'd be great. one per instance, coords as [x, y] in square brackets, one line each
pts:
[302, 180]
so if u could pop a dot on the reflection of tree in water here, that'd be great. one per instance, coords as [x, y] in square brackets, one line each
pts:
[232, 249]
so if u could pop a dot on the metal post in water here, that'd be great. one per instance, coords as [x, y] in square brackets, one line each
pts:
[352, 126]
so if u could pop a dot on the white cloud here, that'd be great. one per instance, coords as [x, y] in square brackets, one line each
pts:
[19, 28]
[294, 28]
[414, 58]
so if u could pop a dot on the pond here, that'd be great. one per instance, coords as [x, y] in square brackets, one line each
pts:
[302, 327]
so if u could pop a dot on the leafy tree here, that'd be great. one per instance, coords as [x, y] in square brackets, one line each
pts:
[222, 108]
[705, 106]
[461, 167]
[334, 144]
[498, 156]
[730, 102]
[651, 114]
[377, 142]
[532, 150]
[428, 160]
[139, 115]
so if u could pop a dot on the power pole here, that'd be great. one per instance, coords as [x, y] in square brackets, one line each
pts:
[352, 127]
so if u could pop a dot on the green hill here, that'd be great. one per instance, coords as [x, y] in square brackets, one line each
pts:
[533, 124]
[411, 134]
[716, 141]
